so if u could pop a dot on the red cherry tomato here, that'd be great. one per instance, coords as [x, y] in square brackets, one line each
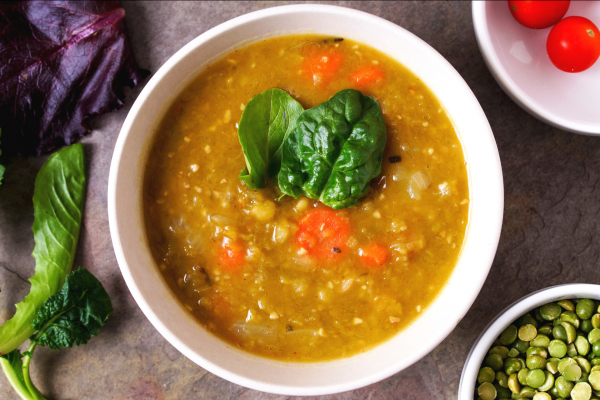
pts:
[574, 44]
[537, 14]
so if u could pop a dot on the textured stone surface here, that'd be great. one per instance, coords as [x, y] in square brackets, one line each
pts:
[550, 234]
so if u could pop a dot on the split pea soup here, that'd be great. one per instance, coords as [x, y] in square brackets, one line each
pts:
[292, 279]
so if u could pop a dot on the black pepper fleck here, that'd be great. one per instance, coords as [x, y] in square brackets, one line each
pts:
[395, 159]
[336, 250]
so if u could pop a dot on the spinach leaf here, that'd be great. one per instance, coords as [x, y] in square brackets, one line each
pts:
[335, 150]
[58, 205]
[266, 122]
[75, 314]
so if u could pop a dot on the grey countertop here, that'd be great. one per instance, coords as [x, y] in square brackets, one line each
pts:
[550, 233]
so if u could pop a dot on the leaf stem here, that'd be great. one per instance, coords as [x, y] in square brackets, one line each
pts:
[35, 393]
[15, 382]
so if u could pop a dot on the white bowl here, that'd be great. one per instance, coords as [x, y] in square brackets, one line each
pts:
[166, 313]
[516, 56]
[508, 316]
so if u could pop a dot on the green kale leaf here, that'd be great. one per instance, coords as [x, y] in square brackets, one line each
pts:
[335, 150]
[266, 122]
[75, 314]
[58, 205]
[72, 316]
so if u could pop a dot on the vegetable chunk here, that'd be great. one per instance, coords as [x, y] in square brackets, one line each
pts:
[323, 234]
[367, 75]
[374, 254]
[231, 254]
[321, 67]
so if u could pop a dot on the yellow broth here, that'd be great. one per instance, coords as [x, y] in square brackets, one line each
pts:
[282, 303]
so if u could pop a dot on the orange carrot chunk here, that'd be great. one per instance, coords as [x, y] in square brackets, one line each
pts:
[231, 255]
[323, 234]
[374, 254]
[367, 75]
[321, 67]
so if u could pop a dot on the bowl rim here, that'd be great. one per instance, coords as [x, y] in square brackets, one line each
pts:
[507, 316]
[526, 102]
[496, 186]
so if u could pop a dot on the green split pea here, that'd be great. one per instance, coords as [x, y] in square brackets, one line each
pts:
[552, 352]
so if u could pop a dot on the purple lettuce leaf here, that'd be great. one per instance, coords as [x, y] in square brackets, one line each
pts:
[61, 62]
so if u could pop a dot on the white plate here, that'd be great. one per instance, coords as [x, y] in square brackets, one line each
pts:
[517, 58]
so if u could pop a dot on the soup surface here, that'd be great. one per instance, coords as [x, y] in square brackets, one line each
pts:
[290, 278]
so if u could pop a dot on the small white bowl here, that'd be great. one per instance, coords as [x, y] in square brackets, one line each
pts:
[508, 316]
[436, 321]
[516, 56]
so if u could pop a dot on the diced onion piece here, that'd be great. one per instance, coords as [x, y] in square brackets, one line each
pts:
[254, 331]
[413, 190]
[302, 332]
[399, 172]
[404, 247]
[422, 179]
[346, 283]
[221, 220]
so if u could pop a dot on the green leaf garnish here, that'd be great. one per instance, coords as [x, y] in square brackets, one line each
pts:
[58, 205]
[266, 122]
[72, 316]
[335, 150]
[75, 314]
